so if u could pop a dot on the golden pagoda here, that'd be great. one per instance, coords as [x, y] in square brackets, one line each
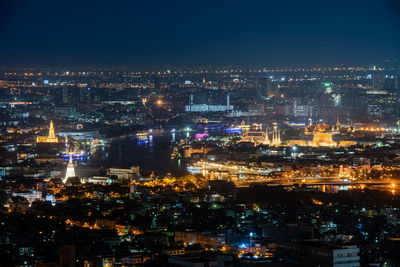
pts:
[51, 138]
[338, 125]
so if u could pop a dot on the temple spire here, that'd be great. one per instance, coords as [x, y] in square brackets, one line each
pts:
[276, 135]
[279, 137]
[266, 140]
[338, 126]
[70, 170]
[50, 138]
[51, 131]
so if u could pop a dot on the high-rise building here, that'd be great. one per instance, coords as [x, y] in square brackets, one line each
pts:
[65, 94]
[84, 95]
[267, 88]
[262, 87]
[157, 85]
[209, 102]
[378, 81]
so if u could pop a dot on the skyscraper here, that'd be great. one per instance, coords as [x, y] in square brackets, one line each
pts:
[378, 82]
[85, 95]
[397, 83]
[65, 94]
[267, 88]
[157, 85]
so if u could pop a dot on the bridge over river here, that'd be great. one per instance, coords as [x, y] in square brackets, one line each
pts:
[320, 182]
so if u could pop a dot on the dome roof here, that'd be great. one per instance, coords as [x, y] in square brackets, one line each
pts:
[323, 139]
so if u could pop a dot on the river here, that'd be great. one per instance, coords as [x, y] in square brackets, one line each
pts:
[151, 155]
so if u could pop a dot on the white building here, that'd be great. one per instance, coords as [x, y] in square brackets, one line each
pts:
[207, 108]
[30, 195]
[124, 174]
[346, 256]
[325, 254]
[102, 180]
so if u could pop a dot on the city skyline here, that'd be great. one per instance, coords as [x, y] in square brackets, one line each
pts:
[199, 133]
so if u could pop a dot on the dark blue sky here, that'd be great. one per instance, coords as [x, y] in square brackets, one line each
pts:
[195, 32]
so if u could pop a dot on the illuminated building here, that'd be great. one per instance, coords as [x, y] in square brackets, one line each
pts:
[245, 127]
[191, 150]
[312, 129]
[262, 137]
[337, 127]
[205, 106]
[102, 180]
[51, 138]
[322, 139]
[30, 195]
[124, 174]
[266, 140]
[267, 88]
[321, 136]
[276, 136]
[378, 82]
[253, 136]
[70, 170]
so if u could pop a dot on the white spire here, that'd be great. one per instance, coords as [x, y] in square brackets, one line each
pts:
[279, 137]
[266, 140]
[70, 170]
[276, 135]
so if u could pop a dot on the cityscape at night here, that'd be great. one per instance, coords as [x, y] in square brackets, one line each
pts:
[199, 133]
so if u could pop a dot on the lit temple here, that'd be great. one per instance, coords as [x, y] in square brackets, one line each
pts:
[51, 138]
[263, 138]
[322, 139]
[322, 136]
[70, 170]
[276, 135]
[254, 136]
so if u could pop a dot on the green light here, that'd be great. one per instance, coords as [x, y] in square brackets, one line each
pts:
[327, 84]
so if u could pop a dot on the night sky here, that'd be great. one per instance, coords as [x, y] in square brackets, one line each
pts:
[197, 32]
